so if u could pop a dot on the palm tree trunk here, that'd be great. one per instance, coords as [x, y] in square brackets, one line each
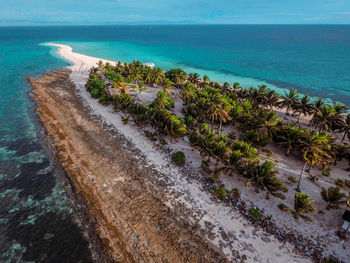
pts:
[285, 114]
[298, 120]
[342, 140]
[301, 174]
[220, 127]
[309, 168]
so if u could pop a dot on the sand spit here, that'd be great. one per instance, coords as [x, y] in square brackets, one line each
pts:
[145, 209]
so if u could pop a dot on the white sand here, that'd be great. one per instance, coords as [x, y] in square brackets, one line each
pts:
[239, 234]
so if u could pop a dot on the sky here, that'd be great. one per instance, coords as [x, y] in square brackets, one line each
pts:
[81, 12]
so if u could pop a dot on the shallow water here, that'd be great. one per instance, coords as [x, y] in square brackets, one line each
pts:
[36, 214]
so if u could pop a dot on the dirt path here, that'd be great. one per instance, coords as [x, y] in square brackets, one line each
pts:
[127, 204]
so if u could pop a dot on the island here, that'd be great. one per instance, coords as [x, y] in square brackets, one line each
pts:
[177, 168]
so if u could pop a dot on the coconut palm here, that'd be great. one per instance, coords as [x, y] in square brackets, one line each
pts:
[271, 99]
[265, 177]
[303, 204]
[148, 75]
[176, 75]
[167, 86]
[324, 118]
[235, 85]
[187, 93]
[303, 107]
[339, 118]
[289, 100]
[219, 109]
[243, 94]
[260, 126]
[157, 76]
[346, 127]
[333, 197]
[289, 137]
[341, 151]
[224, 115]
[194, 78]
[315, 150]
[319, 103]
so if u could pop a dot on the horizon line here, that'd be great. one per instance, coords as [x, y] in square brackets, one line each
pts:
[182, 24]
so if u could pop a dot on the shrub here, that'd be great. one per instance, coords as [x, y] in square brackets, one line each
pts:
[125, 120]
[303, 204]
[178, 158]
[340, 183]
[326, 171]
[333, 196]
[220, 192]
[292, 179]
[104, 99]
[151, 135]
[254, 213]
[235, 193]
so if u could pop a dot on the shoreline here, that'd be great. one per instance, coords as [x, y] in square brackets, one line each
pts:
[78, 78]
[128, 245]
[80, 209]
[228, 232]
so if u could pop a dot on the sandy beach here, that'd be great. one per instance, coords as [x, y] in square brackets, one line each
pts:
[145, 208]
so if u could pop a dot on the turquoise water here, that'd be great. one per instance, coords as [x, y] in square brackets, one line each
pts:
[36, 215]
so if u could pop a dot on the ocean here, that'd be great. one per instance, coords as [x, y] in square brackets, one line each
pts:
[37, 216]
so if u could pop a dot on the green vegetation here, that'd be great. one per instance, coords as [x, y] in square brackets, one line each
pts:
[303, 204]
[178, 158]
[333, 196]
[254, 213]
[292, 179]
[220, 192]
[210, 108]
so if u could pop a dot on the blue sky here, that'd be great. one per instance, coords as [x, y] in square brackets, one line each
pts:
[28, 12]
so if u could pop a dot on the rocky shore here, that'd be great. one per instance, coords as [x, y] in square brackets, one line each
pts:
[126, 202]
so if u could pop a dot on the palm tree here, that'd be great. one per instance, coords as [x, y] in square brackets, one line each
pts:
[271, 99]
[260, 126]
[219, 109]
[319, 103]
[315, 151]
[235, 85]
[224, 115]
[177, 75]
[339, 118]
[148, 75]
[100, 64]
[346, 127]
[157, 76]
[324, 118]
[341, 151]
[243, 94]
[332, 196]
[194, 78]
[304, 107]
[167, 86]
[289, 100]
[289, 137]
[303, 204]
[340, 108]
[187, 93]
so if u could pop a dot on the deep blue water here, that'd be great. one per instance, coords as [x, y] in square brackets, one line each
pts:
[36, 215]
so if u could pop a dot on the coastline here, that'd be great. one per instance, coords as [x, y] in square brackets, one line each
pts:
[181, 191]
[159, 236]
